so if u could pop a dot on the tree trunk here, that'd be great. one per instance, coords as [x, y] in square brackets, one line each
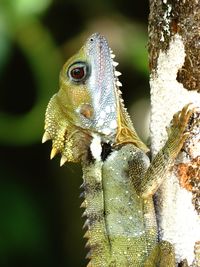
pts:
[174, 58]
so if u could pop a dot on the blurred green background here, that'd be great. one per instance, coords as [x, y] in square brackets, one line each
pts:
[40, 218]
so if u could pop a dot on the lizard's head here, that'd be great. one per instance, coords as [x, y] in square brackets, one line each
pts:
[87, 103]
[87, 88]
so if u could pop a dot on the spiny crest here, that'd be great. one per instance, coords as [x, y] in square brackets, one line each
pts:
[116, 73]
[93, 225]
[87, 234]
[126, 132]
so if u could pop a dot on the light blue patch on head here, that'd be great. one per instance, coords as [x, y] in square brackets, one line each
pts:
[102, 86]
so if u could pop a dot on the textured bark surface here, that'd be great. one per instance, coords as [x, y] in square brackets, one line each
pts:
[167, 18]
[174, 59]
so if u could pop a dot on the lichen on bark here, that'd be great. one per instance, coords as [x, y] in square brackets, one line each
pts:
[167, 18]
[174, 60]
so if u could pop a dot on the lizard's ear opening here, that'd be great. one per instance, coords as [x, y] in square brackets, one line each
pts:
[87, 111]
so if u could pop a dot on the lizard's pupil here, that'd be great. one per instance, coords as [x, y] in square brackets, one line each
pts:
[78, 73]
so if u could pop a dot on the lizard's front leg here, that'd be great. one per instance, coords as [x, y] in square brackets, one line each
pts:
[163, 253]
[164, 160]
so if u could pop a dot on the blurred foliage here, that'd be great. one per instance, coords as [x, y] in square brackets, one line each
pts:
[24, 29]
[41, 221]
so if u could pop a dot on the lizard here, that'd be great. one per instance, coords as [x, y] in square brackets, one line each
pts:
[88, 123]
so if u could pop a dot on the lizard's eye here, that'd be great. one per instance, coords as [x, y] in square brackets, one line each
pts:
[78, 72]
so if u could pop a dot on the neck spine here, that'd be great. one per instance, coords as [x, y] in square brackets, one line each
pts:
[98, 238]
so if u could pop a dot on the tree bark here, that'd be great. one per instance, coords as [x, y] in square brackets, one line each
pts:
[174, 59]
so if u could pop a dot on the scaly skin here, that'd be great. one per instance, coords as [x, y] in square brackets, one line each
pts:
[88, 123]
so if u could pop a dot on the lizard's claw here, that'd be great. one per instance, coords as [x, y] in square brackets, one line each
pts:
[181, 118]
[181, 126]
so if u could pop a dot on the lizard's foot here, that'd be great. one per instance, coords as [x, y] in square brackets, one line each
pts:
[180, 128]
[183, 124]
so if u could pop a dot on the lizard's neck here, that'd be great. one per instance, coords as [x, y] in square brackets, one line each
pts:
[114, 223]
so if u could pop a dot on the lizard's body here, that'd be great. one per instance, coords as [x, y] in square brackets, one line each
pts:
[124, 235]
[87, 122]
